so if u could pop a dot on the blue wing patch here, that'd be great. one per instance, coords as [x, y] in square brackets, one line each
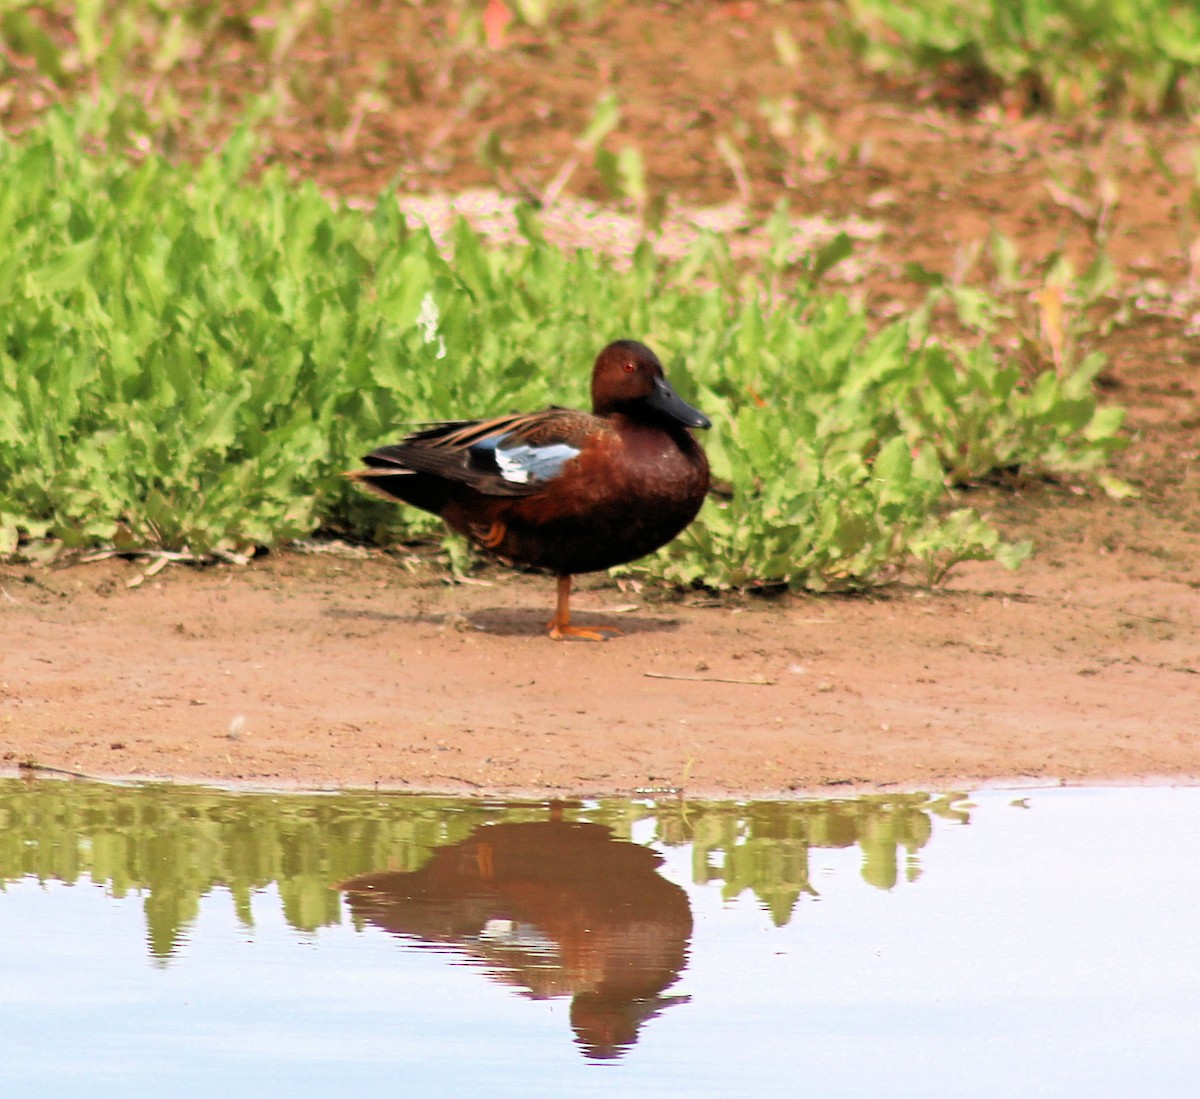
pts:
[522, 464]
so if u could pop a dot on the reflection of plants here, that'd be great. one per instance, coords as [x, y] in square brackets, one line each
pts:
[175, 845]
[763, 847]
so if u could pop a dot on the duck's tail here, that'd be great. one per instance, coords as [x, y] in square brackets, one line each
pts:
[394, 482]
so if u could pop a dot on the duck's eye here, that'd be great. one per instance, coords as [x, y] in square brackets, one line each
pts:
[629, 368]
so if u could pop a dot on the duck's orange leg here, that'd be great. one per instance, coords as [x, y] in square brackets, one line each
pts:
[560, 625]
[495, 534]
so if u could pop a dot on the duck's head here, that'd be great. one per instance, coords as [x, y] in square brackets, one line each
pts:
[628, 378]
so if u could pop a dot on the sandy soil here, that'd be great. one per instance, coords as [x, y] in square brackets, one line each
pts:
[326, 670]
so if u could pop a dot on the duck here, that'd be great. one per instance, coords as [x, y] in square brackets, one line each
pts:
[561, 490]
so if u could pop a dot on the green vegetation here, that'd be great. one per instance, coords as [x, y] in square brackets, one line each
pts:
[77, 42]
[189, 360]
[1071, 55]
[1068, 55]
[176, 845]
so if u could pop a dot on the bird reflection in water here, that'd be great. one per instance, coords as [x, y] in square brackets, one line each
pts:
[556, 908]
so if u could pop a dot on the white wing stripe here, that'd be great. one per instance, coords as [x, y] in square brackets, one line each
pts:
[522, 464]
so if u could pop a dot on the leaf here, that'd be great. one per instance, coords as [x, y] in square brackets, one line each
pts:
[529, 224]
[785, 47]
[893, 468]
[923, 276]
[1115, 488]
[631, 171]
[1012, 555]
[830, 255]
[68, 269]
[605, 115]
[533, 12]
[10, 534]
[228, 345]
[24, 36]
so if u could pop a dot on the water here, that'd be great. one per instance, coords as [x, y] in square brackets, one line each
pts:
[196, 942]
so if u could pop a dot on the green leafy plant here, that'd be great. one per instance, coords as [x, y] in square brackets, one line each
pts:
[606, 114]
[1071, 55]
[1034, 414]
[189, 360]
[982, 418]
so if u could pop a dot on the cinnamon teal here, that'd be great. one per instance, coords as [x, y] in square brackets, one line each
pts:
[562, 490]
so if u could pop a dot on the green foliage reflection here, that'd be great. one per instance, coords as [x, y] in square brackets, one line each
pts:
[763, 846]
[175, 845]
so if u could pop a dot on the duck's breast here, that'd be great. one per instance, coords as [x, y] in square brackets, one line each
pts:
[628, 492]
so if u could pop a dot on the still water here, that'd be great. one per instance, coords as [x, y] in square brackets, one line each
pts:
[186, 941]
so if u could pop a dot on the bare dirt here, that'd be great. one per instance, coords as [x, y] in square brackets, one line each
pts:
[328, 670]
[319, 671]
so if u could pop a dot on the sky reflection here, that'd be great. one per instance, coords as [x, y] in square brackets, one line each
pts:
[1043, 950]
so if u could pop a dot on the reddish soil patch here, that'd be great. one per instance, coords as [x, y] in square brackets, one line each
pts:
[320, 672]
[1083, 666]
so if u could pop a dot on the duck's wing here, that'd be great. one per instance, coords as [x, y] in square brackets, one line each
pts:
[506, 456]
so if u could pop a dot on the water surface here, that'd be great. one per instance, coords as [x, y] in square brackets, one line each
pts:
[184, 941]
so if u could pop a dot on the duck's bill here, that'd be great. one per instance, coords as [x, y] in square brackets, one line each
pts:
[670, 403]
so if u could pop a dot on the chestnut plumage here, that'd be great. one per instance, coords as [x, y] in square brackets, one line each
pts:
[562, 490]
